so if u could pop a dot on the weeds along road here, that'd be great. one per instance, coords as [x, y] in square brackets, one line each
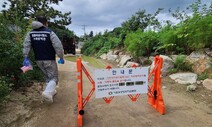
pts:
[181, 110]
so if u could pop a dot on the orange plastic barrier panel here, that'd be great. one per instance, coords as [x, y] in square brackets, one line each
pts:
[154, 92]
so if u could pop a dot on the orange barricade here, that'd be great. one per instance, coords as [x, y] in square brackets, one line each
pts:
[155, 98]
[154, 91]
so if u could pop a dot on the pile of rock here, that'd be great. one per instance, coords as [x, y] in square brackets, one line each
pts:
[201, 61]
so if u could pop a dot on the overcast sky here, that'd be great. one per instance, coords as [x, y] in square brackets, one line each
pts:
[99, 15]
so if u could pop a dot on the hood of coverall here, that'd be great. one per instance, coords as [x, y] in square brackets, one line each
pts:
[36, 25]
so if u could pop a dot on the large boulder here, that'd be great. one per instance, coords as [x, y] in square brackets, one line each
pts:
[124, 60]
[145, 60]
[207, 83]
[112, 57]
[200, 61]
[109, 56]
[110, 53]
[200, 65]
[184, 78]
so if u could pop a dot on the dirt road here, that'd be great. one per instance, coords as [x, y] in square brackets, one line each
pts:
[183, 110]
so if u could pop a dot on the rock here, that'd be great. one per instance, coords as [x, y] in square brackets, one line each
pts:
[173, 57]
[184, 78]
[191, 88]
[124, 60]
[208, 52]
[130, 64]
[103, 56]
[195, 56]
[112, 57]
[198, 82]
[200, 66]
[207, 83]
[116, 52]
[110, 53]
[200, 61]
[168, 64]
[117, 60]
[142, 60]
[151, 58]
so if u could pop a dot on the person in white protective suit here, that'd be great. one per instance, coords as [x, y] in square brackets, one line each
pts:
[45, 45]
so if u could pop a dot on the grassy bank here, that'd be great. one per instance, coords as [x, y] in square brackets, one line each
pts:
[91, 60]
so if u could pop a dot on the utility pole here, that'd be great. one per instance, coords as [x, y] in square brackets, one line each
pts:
[83, 27]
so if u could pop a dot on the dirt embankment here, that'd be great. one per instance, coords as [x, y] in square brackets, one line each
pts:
[184, 109]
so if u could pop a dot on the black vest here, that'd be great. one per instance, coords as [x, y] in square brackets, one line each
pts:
[41, 44]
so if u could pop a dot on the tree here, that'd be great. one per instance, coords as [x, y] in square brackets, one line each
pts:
[193, 32]
[20, 9]
[141, 21]
[90, 34]
[61, 31]
[141, 43]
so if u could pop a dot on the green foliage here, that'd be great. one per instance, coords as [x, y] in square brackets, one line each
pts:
[93, 45]
[4, 89]
[114, 42]
[200, 31]
[141, 43]
[20, 13]
[173, 70]
[168, 41]
[203, 76]
[134, 45]
[147, 62]
[141, 21]
[100, 44]
[13, 27]
[12, 58]
[91, 61]
[11, 61]
[19, 9]
[102, 51]
[61, 31]
[206, 74]
[181, 64]
[192, 33]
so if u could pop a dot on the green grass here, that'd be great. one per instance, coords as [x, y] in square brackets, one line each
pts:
[91, 60]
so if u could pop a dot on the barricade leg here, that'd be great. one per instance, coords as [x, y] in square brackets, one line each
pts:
[82, 101]
[80, 98]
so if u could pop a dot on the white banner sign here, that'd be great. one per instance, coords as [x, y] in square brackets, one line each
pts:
[120, 81]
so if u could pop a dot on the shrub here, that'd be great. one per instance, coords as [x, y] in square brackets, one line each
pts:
[147, 62]
[172, 71]
[12, 58]
[206, 74]
[181, 64]
[102, 51]
[4, 89]
[202, 76]
[141, 43]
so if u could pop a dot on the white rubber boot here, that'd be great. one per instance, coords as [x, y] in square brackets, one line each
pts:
[50, 91]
